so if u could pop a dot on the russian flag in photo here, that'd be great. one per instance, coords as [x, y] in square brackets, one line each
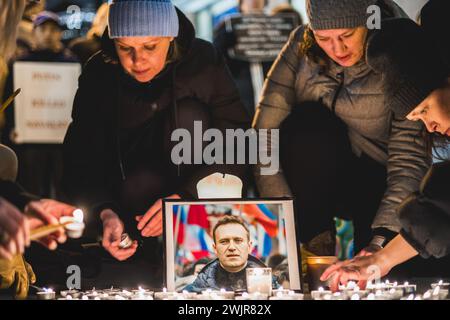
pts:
[193, 234]
[262, 215]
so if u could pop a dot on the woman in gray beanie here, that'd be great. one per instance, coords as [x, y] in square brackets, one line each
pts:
[151, 77]
[343, 152]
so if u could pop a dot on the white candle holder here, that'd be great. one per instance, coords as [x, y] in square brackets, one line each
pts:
[71, 292]
[75, 227]
[253, 296]
[46, 294]
[320, 293]
[259, 280]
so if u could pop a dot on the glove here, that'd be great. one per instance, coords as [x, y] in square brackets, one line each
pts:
[17, 275]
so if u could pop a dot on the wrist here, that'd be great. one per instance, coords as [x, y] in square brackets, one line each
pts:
[108, 215]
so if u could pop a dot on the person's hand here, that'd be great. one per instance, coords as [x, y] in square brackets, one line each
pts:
[18, 273]
[360, 269]
[47, 211]
[150, 224]
[112, 233]
[14, 231]
[369, 250]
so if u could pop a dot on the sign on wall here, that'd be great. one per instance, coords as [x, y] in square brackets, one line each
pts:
[259, 38]
[43, 109]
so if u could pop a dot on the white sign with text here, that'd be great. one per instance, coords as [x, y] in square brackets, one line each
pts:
[43, 109]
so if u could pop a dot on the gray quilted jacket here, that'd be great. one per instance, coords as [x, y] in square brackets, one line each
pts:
[361, 104]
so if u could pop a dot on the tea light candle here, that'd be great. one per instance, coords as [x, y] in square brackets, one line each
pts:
[395, 293]
[281, 289]
[259, 280]
[72, 292]
[46, 294]
[439, 294]
[112, 291]
[189, 295]
[318, 294]
[441, 284]
[76, 225]
[165, 295]
[408, 288]
[253, 296]
[125, 241]
[286, 295]
[216, 295]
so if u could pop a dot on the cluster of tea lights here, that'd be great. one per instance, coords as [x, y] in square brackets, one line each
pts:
[438, 291]
[94, 294]
[383, 291]
[374, 291]
[144, 294]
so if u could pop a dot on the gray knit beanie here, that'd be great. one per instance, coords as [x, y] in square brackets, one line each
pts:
[337, 14]
[142, 18]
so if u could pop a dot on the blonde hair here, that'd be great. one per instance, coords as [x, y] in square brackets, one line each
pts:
[10, 15]
[100, 22]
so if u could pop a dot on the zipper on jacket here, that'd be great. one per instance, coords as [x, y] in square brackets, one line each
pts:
[341, 79]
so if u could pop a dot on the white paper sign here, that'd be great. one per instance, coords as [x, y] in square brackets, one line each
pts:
[43, 108]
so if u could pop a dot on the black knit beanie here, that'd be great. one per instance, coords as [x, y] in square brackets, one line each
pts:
[409, 61]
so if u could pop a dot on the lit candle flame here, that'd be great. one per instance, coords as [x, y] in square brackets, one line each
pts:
[78, 215]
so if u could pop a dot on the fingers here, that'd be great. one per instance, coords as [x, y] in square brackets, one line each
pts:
[149, 214]
[36, 208]
[330, 270]
[5, 254]
[56, 208]
[362, 284]
[123, 254]
[111, 235]
[27, 232]
[31, 274]
[49, 242]
[362, 253]
[22, 286]
[335, 280]
[154, 227]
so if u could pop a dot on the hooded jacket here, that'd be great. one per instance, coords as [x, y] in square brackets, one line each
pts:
[101, 157]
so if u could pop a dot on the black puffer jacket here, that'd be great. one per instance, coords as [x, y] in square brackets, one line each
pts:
[107, 165]
[425, 217]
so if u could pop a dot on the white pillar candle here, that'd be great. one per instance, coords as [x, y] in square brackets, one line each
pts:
[218, 186]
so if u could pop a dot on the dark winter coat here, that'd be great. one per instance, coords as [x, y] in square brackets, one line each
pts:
[425, 216]
[213, 276]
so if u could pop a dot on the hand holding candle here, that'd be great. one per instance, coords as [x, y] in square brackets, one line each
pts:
[48, 213]
[150, 224]
[112, 236]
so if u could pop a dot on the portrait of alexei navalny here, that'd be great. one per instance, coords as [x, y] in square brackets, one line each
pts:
[233, 247]
[214, 245]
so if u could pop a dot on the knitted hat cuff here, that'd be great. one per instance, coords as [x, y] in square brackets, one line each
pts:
[138, 18]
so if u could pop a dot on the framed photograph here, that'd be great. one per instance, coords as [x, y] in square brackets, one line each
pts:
[194, 238]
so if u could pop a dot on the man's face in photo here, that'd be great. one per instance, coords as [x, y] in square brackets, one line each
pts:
[232, 246]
